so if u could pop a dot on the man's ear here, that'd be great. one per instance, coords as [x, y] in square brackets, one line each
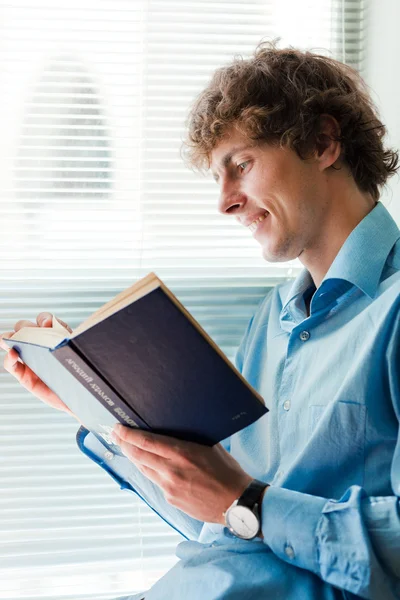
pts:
[328, 147]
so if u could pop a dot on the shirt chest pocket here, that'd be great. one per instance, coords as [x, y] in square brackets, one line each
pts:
[336, 442]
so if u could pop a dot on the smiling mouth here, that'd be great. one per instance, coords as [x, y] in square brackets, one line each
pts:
[253, 226]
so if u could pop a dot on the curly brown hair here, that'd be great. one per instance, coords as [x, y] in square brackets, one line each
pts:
[278, 96]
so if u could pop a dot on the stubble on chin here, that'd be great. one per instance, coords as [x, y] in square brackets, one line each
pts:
[282, 252]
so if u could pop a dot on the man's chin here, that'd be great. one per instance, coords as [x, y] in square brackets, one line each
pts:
[281, 255]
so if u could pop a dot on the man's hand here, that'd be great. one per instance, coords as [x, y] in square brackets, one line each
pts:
[201, 481]
[26, 377]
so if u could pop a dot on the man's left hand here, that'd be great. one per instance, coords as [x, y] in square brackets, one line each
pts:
[201, 481]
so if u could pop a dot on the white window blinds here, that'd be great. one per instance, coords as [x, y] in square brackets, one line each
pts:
[93, 196]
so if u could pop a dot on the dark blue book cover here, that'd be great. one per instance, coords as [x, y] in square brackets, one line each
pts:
[149, 364]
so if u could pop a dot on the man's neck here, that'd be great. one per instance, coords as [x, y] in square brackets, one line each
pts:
[341, 221]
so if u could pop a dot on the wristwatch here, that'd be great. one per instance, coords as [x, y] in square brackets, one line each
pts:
[243, 516]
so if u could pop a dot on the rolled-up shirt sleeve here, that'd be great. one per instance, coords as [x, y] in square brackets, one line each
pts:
[352, 543]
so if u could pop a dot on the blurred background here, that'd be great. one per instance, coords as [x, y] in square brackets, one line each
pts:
[93, 196]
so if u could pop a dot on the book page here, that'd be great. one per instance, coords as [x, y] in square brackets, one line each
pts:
[51, 336]
[42, 336]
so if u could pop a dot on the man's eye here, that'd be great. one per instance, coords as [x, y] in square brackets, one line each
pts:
[243, 165]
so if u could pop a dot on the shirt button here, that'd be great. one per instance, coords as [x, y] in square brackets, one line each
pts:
[304, 336]
[286, 405]
[108, 455]
[289, 551]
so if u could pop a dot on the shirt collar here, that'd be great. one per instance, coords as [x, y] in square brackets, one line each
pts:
[361, 259]
[299, 286]
[359, 262]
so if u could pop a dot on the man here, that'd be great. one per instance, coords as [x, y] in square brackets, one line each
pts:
[295, 146]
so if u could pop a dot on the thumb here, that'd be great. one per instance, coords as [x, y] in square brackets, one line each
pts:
[6, 335]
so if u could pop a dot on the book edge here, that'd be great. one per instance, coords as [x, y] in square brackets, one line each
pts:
[138, 290]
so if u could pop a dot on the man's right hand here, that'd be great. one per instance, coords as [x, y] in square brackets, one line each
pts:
[26, 377]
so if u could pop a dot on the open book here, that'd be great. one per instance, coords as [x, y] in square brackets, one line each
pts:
[142, 360]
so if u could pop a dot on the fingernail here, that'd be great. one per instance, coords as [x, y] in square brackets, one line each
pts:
[114, 437]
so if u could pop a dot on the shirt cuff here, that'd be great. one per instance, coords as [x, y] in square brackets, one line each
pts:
[101, 458]
[128, 477]
[289, 524]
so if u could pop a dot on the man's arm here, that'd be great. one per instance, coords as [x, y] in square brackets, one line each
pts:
[354, 542]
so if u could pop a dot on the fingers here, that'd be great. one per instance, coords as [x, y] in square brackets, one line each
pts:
[17, 327]
[44, 319]
[23, 323]
[12, 362]
[18, 369]
[6, 335]
[155, 443]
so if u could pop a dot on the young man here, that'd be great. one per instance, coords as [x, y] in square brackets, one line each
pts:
[295, 146]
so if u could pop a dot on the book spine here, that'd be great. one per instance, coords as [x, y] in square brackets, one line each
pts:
[91, 380]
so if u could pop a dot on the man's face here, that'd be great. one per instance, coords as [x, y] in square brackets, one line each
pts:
[257, 180]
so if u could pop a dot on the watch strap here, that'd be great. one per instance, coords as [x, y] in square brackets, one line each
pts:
[252, 494]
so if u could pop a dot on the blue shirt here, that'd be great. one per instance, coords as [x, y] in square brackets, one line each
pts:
[329, 446]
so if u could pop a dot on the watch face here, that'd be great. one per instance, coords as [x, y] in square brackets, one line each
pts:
[243, 522]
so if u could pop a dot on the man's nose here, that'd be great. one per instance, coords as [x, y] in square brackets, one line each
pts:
[231, 199]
